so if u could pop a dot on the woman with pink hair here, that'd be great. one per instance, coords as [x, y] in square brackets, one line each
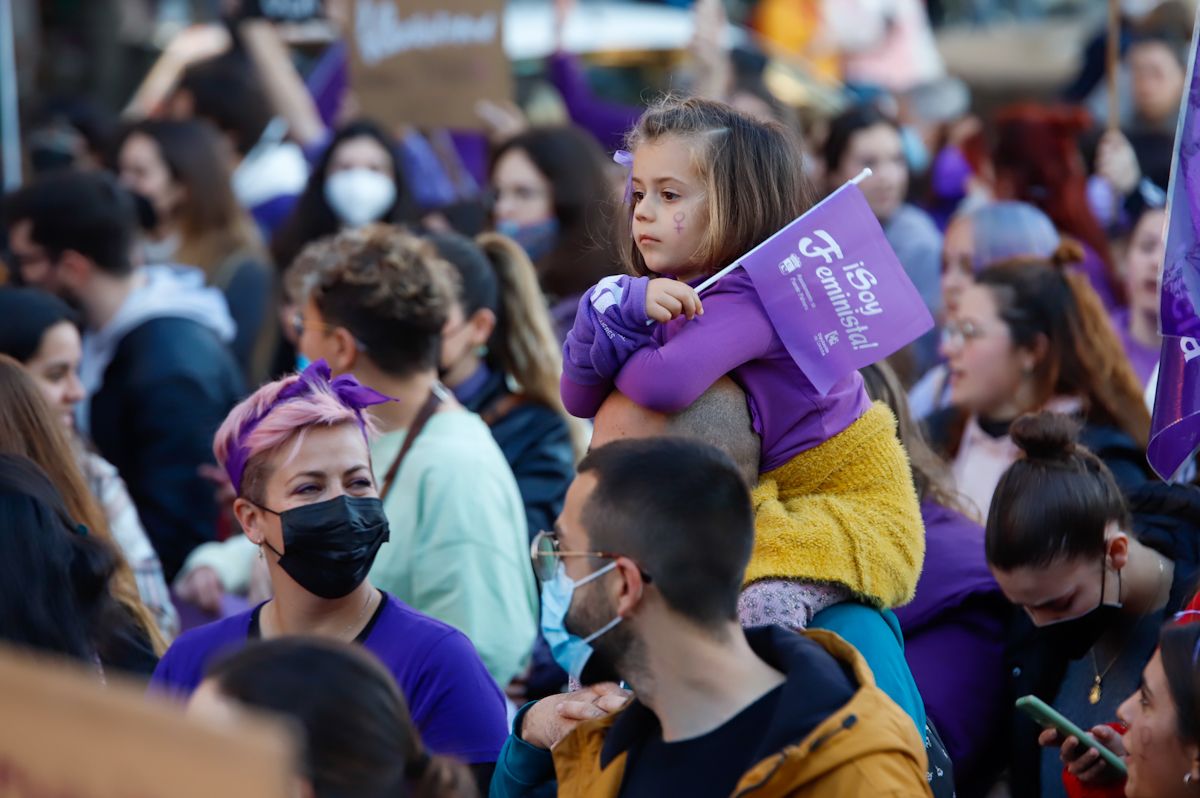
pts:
[297, 455]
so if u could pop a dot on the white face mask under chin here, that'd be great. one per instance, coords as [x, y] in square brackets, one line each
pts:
[359, 196]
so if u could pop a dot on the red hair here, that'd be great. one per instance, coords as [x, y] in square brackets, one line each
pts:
[1037, 160]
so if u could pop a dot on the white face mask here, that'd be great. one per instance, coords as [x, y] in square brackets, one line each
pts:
[1139, 8]
[359, 196]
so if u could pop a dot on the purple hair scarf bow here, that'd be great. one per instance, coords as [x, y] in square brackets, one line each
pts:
[349, 391]
[625, 159]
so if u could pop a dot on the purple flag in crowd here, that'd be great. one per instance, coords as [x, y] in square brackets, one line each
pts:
[835, 291]
[1175, 427]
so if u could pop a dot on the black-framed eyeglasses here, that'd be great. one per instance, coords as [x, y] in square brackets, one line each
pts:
[545, 554]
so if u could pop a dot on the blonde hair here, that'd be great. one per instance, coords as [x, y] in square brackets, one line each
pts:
[752, 174]
[524, 340]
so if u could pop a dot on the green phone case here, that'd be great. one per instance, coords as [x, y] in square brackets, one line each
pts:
[1048, 717]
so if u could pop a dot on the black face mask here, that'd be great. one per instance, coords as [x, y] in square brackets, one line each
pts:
[328, 547]
[1074, 638]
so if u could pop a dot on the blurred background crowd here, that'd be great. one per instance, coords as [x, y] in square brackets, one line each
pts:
[178, 167]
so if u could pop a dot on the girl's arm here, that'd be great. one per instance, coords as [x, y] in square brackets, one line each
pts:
[610, 326]
[734, 330]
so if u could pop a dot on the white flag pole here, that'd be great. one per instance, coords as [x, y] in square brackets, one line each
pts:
[711, 281]
[10, 128]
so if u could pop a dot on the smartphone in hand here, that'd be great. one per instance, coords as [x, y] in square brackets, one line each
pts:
[1047, 717]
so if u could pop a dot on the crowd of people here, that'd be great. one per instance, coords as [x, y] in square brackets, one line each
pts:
[426, 439]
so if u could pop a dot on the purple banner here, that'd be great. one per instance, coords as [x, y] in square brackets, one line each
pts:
[1175, 427]
[835, 291]
[1180, 296]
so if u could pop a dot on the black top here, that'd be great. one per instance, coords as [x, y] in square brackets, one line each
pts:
[169, 386]
[816, 686]
[711, 764]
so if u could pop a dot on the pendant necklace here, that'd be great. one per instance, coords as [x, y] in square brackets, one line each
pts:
[1096, 693]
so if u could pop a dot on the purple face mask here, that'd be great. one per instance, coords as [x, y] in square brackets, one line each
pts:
[348, 391]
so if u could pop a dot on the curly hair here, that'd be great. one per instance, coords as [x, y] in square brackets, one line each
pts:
[386, 287]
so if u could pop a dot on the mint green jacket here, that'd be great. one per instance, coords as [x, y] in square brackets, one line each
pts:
[459, 548]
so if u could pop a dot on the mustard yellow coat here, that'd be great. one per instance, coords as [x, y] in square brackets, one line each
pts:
[844, 512]
[867, 749]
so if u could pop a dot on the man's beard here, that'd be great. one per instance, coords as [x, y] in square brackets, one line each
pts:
[611, 650]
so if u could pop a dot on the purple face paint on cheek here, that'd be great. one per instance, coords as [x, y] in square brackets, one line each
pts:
[679, 217]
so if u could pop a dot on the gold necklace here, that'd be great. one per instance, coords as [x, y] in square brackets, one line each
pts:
[1096, 693]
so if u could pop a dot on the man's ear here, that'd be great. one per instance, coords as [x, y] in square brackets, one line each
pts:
[343, 355]
[74, 269]
[633, 587]
[482, 323]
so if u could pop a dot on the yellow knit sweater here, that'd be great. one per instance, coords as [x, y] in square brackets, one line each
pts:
[843, 512]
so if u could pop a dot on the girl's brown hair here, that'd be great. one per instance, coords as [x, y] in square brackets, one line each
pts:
[524, 344]
[1055, 501]
[213, 226]
[575, 165]
[1040, 301]
[29, 429]
[751, 171]
[930, 473]
[1046, 300]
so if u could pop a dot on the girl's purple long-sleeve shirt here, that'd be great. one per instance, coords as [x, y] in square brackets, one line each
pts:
[667, 367]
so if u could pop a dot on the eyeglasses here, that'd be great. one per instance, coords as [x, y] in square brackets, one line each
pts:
[956, 334]
[545, 554]
[298, 325]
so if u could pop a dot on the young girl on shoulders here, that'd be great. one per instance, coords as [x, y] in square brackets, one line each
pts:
[837, 513]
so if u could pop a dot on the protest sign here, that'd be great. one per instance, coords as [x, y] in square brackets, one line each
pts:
[66, 735]
[1175, 426]
[834, 290]
[428, 62]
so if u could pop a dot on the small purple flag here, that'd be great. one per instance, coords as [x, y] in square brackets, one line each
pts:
[1175, 426]
[835, 291]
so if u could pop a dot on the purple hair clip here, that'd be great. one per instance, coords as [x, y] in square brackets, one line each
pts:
[625, 159]
[349, 391]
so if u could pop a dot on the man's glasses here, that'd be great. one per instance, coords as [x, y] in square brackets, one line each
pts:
[545, 554]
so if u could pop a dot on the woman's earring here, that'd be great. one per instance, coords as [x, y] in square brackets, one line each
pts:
[1187, 779]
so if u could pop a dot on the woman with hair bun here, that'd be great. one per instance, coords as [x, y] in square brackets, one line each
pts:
[1027, 337]
[1059, 540]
